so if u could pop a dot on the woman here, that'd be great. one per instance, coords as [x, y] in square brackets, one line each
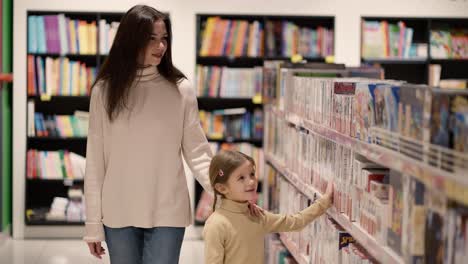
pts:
[143, 117]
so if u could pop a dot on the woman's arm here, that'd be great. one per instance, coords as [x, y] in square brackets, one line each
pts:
[196, 149]
[296, 222]
[94, 176]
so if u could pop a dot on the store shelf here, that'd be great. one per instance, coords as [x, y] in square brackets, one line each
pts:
[216, 103]
[308, 59]
[257, 142]
[453, 185]
[379, 252]
[395, 61]
[47, 139]
[292, 248]
[53, 223]
[248, 62]
[76, 55]
[434, 60]
[47, 98]
[66, 182]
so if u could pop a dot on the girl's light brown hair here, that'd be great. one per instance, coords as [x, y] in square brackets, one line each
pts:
[221, 167]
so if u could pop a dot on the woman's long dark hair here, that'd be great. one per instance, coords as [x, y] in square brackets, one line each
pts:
[120, 68]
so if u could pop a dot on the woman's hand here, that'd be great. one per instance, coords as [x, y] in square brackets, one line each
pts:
[96, 249]
[255, 210]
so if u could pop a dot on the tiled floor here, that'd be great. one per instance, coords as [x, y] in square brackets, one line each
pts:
[73, 252]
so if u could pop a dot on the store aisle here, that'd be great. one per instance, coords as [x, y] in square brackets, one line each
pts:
[73, 252]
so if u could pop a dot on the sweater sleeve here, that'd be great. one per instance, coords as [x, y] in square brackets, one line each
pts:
[214, 238]
[296, 222]
[196, 149]
[95, 169]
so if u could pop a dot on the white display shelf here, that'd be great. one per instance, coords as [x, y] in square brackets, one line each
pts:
[375, 249]
[292, 248]
[453, 185]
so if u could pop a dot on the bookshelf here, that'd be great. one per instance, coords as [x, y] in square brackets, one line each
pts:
[413, 68]
[65, 40]
[306, 145]
[267, 37]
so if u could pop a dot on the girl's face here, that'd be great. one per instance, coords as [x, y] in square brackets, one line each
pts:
[242, 184]
[157, 45]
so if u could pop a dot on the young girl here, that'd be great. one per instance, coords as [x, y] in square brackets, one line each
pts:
[231, 235]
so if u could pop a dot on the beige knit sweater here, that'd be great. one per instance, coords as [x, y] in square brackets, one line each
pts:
[134, 170]
[232, 236]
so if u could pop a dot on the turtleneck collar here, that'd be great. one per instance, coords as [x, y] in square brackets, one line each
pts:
[147, 73]
[234, 207]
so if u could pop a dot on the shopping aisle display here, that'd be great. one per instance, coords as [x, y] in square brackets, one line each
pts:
[397, 167]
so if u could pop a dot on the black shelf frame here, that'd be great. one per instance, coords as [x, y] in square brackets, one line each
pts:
[417, 70]
[257, 142]
[52, 223]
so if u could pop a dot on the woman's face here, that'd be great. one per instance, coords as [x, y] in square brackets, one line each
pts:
[157, 45]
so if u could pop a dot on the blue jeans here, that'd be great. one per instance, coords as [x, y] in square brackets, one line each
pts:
[133, 245]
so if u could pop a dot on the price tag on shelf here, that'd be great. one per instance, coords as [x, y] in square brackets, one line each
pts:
[257, 99]
[45, 97]
[330, 59]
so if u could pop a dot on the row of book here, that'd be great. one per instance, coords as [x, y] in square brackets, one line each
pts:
[59, 34]
[215, 81]
[59, 76]
[381, 39]
[274, 76]
[285, 39]
[449, 44]
[396, 209]
[60, 164]
[107, 32]
[236, 123]
[354, 106]
[232, 38]
[63, 126]
[322, 241]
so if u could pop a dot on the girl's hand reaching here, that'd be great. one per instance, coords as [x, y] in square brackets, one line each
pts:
[329, 192]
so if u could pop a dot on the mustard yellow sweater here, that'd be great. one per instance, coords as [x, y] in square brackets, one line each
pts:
[233, 237]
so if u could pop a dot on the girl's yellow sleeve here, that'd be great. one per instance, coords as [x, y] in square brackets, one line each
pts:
[215, 238]
[285, 223]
